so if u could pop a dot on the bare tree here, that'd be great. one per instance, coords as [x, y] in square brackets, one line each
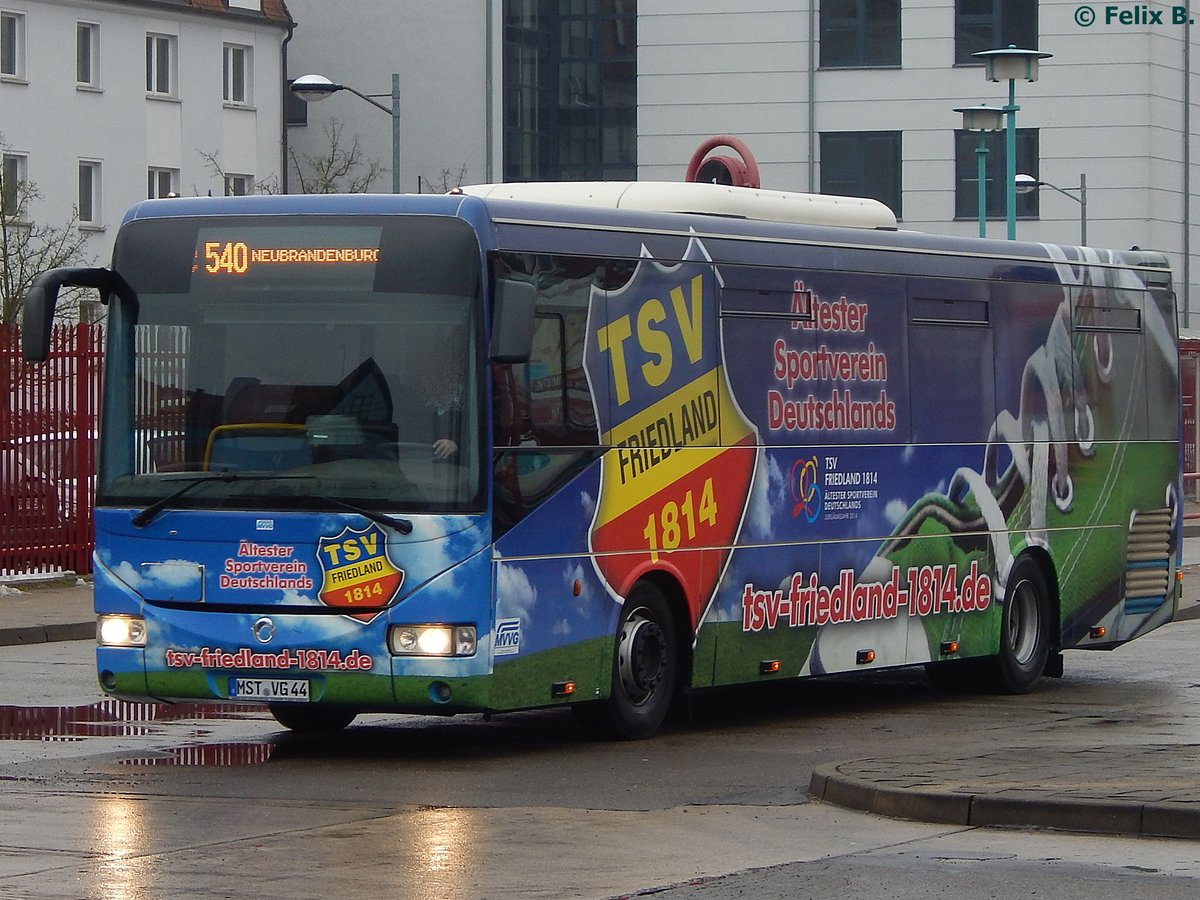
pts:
[29, 247]
[212, 162]
[338, 169]
[447, 182]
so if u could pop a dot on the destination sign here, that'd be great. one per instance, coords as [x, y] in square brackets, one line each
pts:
[236, 257]
[295, 253]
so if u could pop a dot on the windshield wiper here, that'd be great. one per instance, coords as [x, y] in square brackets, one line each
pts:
[147, 515]
[404, 526]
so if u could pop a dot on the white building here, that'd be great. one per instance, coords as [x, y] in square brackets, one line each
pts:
[856, 96]
[103, 104]
[875, 84]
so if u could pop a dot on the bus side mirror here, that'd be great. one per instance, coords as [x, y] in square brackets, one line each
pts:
[42, 297]
[38, 317]
[512, 322]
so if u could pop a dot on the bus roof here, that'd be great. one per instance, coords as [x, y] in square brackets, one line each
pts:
[710, 211]
[709, 199]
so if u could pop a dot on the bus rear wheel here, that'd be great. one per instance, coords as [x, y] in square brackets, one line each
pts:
[645, 666]
[312, 719]
[1025, 631]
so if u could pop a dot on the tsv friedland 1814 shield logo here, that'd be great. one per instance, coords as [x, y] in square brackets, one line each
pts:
[673, 489]
[357, 573]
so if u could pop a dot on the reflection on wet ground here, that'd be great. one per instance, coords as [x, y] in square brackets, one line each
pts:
[243, 753]
[160, 735]
[108, 718]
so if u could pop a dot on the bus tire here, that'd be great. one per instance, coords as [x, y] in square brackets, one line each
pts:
[1026, 627]
[645, 665]
[312, 719]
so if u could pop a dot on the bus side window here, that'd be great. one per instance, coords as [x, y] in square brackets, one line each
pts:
[510, 427]
[544, 420]
[1108, 325]
[510, 407]
[950, 346]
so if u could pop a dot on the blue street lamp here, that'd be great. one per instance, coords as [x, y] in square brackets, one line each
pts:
[982, 119]
[1010, 64]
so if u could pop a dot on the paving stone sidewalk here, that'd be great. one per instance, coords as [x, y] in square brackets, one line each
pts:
[1151, 790]
[54, 609]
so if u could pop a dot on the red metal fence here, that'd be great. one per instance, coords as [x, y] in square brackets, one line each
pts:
[47, 451]
[1189, 397]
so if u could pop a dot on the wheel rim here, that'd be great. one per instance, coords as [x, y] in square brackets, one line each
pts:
[641, 656]
[1023, 623]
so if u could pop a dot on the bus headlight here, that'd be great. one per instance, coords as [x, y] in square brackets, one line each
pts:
[432, 640]
[121, 631]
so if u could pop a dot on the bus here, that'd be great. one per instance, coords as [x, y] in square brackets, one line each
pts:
[606, 445]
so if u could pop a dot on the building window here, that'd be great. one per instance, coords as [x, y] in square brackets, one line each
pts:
[993, 25]
[160, 65]
[87, 54]
[89, 192]
[862, 164]
[857, 33]
[238, 185]
[12, 44]
[295, 110]
[237, 74]
[13, 173]
[570, 91]
[162, 183]
[966, 172]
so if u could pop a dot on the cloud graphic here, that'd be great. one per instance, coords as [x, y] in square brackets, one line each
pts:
[126, 571]
[573, 573]
[174, 572]
[516, 595]
[895, 511]
[767, 493]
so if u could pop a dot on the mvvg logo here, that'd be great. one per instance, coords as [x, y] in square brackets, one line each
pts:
[508, 637]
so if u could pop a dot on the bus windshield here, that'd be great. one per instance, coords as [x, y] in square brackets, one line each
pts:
[293, 362]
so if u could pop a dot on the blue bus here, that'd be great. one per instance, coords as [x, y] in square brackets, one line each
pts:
[603, 445]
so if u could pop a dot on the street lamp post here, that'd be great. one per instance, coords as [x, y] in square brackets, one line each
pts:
[312, 88]
[1010, 64]
[982, 119]
[1026, 183]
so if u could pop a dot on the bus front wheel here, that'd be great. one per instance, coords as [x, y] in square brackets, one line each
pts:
[1026, 624]
[312, 719]
[645, 665]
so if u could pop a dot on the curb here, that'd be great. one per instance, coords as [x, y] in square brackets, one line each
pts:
[1012, 810]
[45, 634]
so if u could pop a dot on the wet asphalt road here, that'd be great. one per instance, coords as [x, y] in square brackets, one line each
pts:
[130, 802]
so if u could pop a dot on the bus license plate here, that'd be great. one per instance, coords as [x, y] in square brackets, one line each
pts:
[293, 690]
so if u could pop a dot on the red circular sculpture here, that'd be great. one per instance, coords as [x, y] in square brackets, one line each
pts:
[741, 172]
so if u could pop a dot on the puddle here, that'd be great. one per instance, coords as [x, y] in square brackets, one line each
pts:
[232, 754]
[108, 718]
